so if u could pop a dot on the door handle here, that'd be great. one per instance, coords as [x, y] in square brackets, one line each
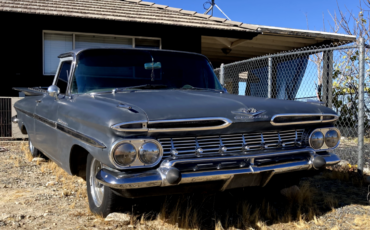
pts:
[38, 101]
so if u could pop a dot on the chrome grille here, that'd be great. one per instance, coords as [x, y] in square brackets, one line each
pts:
[233, 143]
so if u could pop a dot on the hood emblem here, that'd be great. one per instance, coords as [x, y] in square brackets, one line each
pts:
[248, 112]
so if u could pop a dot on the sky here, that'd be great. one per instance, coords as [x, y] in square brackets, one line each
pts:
[296, 14]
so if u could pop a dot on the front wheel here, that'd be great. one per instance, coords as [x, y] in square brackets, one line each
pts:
[34, 152]
[102, 200]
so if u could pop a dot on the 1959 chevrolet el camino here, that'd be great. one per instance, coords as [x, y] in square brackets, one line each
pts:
[138, 123]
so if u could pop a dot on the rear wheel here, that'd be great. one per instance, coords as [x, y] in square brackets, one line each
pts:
[102, 200]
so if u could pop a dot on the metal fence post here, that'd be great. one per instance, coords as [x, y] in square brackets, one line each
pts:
[327, 79]
[222, 75]
[361, 106]
[270, 78]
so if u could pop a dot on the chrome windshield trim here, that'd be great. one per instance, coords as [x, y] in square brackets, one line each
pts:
[321, 115]
[226, 124]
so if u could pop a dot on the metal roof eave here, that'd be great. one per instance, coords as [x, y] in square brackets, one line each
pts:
[306, 34]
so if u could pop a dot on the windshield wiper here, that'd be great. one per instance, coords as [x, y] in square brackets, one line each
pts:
[147, 86]
[197, 88]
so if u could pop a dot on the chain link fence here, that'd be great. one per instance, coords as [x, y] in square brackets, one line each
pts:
[329, 75]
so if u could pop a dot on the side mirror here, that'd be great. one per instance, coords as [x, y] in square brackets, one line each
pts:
[53, 91]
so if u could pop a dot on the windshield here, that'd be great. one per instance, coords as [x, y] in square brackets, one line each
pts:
[106, 69]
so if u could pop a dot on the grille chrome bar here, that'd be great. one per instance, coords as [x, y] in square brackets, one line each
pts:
[232, 142]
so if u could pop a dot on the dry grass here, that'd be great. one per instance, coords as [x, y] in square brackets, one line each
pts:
[182, 214]
[25, 148]
[348, 174]
[362, 222]
[70, 184]
[330, 201]
[188, 212]
[353, 141]
[244, 209]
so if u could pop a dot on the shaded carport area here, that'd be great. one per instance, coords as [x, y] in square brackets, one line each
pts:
[278, 78]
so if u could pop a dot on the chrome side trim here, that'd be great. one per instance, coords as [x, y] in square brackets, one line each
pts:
[46, 121]
[73, 133]
[137, 143]
[303, 115]
[144, 128]
[23, 111]
[226, 124]
[82, 137]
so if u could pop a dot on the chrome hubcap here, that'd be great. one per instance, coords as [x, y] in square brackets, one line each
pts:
[31, 147]
[96, 188]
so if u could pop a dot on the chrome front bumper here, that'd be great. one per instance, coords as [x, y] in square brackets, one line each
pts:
[163, 176]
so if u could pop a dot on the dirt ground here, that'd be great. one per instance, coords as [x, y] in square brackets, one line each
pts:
[39, 195]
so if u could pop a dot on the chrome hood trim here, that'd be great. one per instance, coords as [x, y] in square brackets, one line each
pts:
[226, 123]
[290, 115]
[143, 125]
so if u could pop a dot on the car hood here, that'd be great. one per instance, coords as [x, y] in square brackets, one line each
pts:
[183, 104]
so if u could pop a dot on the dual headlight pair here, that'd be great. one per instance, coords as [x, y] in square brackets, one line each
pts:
[136, 153]
[325, 138]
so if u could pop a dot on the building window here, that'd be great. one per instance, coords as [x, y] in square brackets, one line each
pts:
[147, 43]
[92, 41]
[56, 43]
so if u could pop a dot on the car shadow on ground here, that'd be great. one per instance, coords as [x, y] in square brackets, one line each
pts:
[257, 207]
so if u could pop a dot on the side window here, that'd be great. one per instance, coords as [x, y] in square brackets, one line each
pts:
[62, 80]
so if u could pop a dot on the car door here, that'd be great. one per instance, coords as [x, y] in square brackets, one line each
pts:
[46, 113]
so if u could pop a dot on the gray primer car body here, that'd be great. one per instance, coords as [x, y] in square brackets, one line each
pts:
[85, 120]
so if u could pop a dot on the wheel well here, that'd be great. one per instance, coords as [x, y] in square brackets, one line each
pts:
[77, 161]
[23, 129]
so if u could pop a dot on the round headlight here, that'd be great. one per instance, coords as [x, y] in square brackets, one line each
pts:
[317, 140]
[149, 153]
[125, 154]
[332, 138]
